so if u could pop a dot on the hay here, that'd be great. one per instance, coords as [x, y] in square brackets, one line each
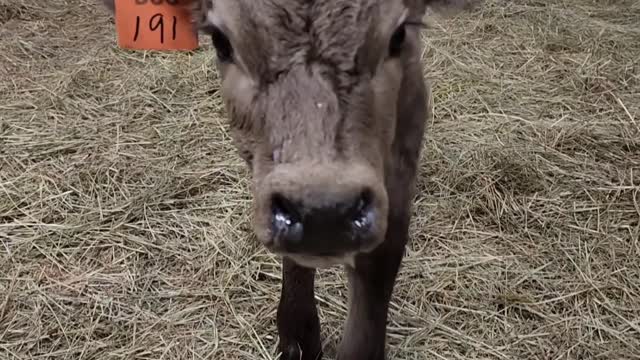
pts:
[123, 206]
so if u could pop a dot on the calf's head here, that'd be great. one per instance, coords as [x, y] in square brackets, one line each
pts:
[312, 89]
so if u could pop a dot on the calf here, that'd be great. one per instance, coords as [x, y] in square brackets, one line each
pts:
[327, 105]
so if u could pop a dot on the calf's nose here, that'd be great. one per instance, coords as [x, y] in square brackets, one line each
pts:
[322, 225]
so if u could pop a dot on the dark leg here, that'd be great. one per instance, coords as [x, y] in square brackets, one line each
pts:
[370, 287]
[298, 324]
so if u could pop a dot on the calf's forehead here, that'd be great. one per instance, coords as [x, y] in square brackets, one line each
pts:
[313, 10]
[280, 33]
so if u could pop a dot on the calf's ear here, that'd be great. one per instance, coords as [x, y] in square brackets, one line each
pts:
[199, 12]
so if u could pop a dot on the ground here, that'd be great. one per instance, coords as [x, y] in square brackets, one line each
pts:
[124, 229]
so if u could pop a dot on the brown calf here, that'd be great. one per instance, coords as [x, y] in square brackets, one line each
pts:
[327, 106]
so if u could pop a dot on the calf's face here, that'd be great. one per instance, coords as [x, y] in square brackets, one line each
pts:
[311, 89]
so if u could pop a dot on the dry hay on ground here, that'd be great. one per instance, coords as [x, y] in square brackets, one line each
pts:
[123, 225]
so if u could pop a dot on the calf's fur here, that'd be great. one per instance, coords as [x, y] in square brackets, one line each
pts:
[315, 90]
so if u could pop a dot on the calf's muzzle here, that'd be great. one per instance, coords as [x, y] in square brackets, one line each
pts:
[323, 210]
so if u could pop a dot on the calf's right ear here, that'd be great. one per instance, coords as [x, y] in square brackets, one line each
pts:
[199, 12]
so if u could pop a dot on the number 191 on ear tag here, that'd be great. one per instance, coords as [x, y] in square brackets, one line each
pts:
[155, 25]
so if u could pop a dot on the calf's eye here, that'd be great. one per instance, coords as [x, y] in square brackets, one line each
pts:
[397, 41]
[221, 43]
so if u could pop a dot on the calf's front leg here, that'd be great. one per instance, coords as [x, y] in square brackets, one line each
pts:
[371, 284]
[298, 323]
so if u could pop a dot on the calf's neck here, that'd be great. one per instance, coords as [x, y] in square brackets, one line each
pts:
[327, 106]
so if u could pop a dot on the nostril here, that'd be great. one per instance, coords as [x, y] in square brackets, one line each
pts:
[364, 200]
[285, 221]
[282, 208]
[363, 214]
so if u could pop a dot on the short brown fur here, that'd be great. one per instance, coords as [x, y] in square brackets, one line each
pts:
[319, 108]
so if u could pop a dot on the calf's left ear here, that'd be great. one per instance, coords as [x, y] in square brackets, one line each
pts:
[199, 12]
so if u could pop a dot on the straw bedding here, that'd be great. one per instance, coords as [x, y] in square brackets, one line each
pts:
[124, 231]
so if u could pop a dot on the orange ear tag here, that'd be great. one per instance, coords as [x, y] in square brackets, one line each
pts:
[155, 25]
